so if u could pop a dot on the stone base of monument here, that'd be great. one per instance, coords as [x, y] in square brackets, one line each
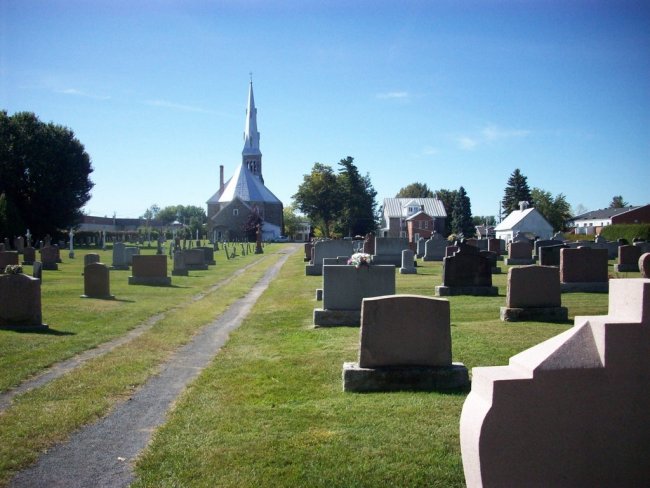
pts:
[313, 270]
[319, 294]
[179, 272]
[411, 378]
[120, 267]
[103, 297]
[496, 270]
[196, 267]
[537, 314]
[151, 281]
[329, 318]
[589, 287]
[408, 271]
[479, 291]
[50, 266]
[518, 261]
[626, 268]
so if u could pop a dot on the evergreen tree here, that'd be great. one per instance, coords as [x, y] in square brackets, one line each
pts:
[516, 191]
[447, 197]
[618, 202]
[358, 212]
[461, 215]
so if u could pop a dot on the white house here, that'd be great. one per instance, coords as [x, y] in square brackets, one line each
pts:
[525, 221]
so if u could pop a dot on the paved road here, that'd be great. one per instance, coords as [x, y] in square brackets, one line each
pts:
[102, 454]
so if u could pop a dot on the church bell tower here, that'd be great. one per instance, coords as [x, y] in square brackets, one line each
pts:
[251, 154]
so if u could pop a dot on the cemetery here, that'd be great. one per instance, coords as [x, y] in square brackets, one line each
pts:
[417, 354]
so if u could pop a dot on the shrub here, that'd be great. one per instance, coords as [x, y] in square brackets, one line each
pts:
[626, 231]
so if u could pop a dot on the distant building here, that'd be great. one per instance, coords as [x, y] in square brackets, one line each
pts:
[245, 194]
[592, 222]
[424, 215]
[528, 222]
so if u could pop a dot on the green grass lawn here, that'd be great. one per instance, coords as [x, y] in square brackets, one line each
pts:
[270, 410]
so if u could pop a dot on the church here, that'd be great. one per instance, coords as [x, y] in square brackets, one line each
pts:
[244, 195]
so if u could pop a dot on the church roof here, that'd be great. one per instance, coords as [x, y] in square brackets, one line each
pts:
[246, 186]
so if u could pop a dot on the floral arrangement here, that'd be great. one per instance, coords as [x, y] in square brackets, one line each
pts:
[13, 269]
[360, 259]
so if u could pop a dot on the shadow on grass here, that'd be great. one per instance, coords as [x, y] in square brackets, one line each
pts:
[36, 330]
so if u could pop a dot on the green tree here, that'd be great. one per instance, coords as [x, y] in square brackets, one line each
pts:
[461, 215]
[415, 190]
[556, 210]
[319, 197]
[447, 197]
[44, 176]
[483, 219]
[291, 220]
[618, 202]
[516, 191]
[359, 205]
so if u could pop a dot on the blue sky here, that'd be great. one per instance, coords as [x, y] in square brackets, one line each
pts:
[448, 93]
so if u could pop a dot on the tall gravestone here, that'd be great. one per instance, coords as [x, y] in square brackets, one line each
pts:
[20, 302]
[466, 273]
[534, 294]
[327, 249]
[420, 247]
[571, 411]
[8, 258]
[97, 281]
[550, 255]
[520, 253]
[584, 270]
[434, 248]
[407, 263]
[119, 257]
[405, 344]
[179, 268]
[29, 255]
[50, 257]
[644, 265]
[388, 250]
[628, 259]
[150, 270]
[344, 287]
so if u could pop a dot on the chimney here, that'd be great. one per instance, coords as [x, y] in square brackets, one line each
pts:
[523, 206]
[221, 177]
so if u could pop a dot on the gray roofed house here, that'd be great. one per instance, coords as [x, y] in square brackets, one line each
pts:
[591, 222]
[396, 212]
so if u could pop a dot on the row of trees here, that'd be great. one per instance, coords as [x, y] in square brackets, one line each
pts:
[44, 176]
[337, 204]
[193, 218]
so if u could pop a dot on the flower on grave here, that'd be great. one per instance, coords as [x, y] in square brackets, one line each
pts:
[13, 269]
[360, 259]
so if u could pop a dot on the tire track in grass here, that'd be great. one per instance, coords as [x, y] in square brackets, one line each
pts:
[102, 454]
[59, 369]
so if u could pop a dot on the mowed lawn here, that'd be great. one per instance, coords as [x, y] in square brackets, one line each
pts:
[45, 415]
[270, 410]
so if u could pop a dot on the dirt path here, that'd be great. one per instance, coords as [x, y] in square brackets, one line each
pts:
[59, 369]
[102, 454]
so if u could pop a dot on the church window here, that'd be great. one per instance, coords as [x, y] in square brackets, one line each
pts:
[235, 212]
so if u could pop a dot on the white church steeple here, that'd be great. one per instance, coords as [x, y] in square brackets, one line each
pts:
[251, 154]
